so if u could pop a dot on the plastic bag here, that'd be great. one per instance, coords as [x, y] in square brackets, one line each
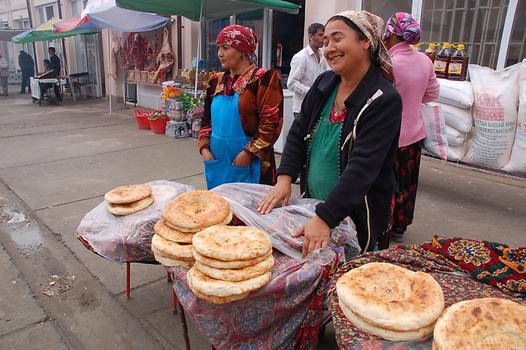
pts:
[127, 238]
[283, 221]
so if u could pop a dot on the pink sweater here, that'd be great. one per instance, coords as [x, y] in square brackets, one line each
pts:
[416, 82]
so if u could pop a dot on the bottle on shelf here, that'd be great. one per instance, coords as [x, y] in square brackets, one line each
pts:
[458, 64]
[418, 47]
[442, 59]
[431, 51]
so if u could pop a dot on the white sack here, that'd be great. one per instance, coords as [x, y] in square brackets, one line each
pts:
[436, 138]
[456, 153]
[455, 137]
[456, 93]
[494, 115]
[517, 161]
[458, 118]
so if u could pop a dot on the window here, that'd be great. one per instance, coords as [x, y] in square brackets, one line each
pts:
[387, 8]
[22, 24]
[47, 12]
[517, 46]
[476, 23]
[4, 25]
[212, 29]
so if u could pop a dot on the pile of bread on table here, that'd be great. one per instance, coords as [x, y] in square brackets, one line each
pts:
[128, 199]
[398, 304]
[225, 263]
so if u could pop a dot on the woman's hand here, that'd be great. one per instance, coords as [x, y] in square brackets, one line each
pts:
[206, 154]
[279, 193]
[243, 159]
[316, 235]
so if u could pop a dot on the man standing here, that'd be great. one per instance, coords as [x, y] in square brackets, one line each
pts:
[27, 66]
[306, 65]
[55, 64]
[4, 74]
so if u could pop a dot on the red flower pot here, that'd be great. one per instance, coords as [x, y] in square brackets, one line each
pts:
[158, 125]
[142, 122]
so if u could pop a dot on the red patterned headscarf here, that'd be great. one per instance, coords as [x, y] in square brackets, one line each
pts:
[239, 37]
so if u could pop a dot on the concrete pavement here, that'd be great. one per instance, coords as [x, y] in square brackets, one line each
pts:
[57, 162]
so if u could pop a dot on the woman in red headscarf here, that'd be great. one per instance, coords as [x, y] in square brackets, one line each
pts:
[243, 114]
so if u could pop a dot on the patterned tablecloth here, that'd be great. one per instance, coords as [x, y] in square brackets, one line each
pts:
[463, 268]
[285, 314]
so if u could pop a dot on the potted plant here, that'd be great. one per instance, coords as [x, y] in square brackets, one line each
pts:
[158, 122]
[142, 119]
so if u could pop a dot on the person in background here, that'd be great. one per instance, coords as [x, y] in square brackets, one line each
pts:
[306, 66]
[345, 138]
[4, 75]
[415, 80]
[243, 114]
[49, 73]
[27, 66]
[56, 66]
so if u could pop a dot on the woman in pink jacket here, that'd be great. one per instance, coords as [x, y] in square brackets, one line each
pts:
[415, 80]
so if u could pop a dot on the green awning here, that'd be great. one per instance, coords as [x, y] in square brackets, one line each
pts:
[212, 9]
[44, 32]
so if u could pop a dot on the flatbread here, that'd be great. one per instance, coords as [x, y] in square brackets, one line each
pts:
[169, 262]
[237, 275]
[130, 208]
[171, 234]
[128, 194]
[197, 209]
[232, 243]
[171, 249]
[217, 300]
[482, 324]
[228, 264]
[418, 334]
[391, 297]
[213, 287]
[195, 230]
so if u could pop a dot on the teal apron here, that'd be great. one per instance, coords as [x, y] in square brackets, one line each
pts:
[228, 139]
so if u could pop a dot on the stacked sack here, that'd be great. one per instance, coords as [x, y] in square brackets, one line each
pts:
[391, 302]
[129, 199]
[487, 323]
[230, 262]
[186, 215]
[455, 121]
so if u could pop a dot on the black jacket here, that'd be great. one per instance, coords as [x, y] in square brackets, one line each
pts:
[365, 187]
[26, 63]
[55, 64]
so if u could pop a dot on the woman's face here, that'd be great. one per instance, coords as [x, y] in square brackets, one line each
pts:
[229, 57]
[343, 49]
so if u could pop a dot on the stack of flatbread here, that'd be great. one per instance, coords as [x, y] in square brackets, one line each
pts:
[129, 199]
[189, 213]
[481, 324]
[389, 301]
[230, 262]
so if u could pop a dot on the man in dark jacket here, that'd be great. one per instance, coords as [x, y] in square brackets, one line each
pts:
[55, 64]
[27, 66]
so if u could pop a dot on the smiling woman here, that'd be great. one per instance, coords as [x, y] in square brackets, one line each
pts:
[346, 135]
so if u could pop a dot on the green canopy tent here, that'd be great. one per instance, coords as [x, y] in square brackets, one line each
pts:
[197, 10]
[44, 32]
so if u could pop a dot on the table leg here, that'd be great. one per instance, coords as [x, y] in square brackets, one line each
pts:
[185, 327]
[128, 266]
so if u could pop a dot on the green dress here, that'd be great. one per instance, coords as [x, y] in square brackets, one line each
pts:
[324, 158]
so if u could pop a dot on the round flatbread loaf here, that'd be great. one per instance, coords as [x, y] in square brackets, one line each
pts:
[232, 243]
[217, 300]
[197, 209]
[195, 230]
[171, 249]
[169, 262]
[213, 287]
[237, 275]
[482, 324]
[171, 234]
[418, 334]
[130, 208]
[391, 297]
[128, 194]
[218, 264]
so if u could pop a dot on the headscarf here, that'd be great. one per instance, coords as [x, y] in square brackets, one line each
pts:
[402, 24]
[372, 27]
[239, 37]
